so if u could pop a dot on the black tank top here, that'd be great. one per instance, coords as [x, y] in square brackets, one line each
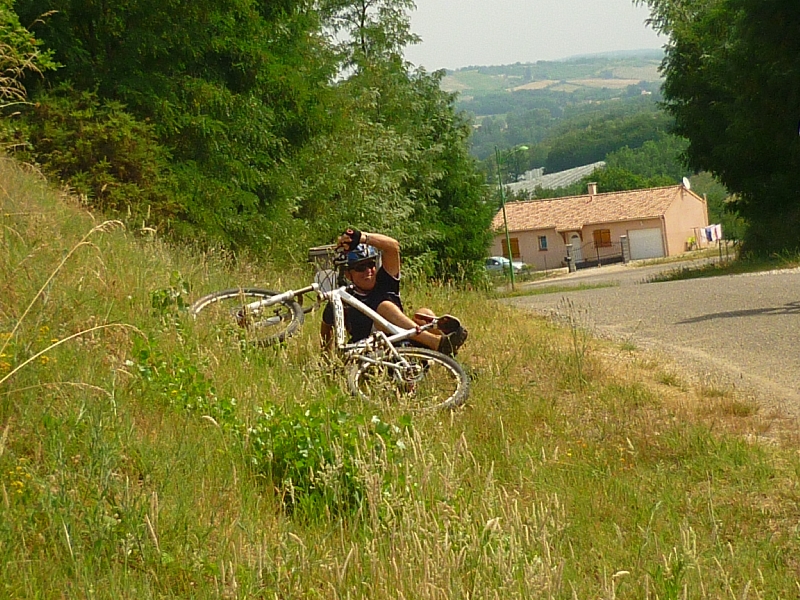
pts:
[359, 325]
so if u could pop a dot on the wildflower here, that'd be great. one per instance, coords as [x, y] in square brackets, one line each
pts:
[44, 359]
[44, 329]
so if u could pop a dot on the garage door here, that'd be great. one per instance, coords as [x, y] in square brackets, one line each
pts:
[646, 243]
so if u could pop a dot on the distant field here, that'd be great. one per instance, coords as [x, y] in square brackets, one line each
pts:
[565, 87]
[474, 81]
[575, 84]
[604, 83]
[553, 76]
[536, 85]
[643, 73]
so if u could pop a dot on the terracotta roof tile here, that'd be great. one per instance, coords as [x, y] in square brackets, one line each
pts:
[573, 212]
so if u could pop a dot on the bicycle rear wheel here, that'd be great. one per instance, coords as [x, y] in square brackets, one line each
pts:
[430, 380]
[263, 325]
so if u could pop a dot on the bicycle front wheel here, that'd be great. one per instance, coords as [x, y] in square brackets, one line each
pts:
[238, 310]
[422, 380]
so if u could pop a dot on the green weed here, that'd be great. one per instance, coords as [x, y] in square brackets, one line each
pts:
[321, 458]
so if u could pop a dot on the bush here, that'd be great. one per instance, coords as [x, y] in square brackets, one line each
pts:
[103, 153]
[320, 458]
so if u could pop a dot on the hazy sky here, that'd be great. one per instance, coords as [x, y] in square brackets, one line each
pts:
[459, 33]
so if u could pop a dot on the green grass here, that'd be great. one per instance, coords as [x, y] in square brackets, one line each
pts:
[143, 460]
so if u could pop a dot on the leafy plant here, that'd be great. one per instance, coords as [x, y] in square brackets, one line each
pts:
[179, 382]
[321, 458]
[102, 152]
[168, 303]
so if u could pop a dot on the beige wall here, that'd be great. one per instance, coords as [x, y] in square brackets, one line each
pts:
[617, 230]
[552, 258]
[683, 218]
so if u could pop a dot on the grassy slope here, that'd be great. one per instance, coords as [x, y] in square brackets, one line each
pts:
[579, 469]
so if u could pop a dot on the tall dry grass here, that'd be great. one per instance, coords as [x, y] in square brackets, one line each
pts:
[578, 469]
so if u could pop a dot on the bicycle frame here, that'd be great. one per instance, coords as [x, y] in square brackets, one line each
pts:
[338, 297]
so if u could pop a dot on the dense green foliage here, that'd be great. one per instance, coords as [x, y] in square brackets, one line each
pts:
[314, 455]
[556, 124]
[660, 156]
[589, 138]
[20, 57]
[262, 126]
[733, 86]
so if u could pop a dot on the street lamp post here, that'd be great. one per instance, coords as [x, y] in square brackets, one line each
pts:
[505, 218]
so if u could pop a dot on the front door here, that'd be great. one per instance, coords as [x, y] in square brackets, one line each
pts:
[577, 254]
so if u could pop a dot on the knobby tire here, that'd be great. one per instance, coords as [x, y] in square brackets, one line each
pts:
[436, 381]
[265, 326]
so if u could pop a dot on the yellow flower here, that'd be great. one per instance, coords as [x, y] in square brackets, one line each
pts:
[44, 359]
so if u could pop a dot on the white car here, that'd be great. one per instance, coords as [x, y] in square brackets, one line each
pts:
[499, 264]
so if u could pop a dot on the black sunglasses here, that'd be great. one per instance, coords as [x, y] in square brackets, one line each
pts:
[363, 266]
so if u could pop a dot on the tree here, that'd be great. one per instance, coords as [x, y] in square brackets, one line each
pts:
[584, 141]
[375, 30]
[396, 158]
[20, 56]
[253, 127]
[732, 83]
[229, 88]
[661, 156]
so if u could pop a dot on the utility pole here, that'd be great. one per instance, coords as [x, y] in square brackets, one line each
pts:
[505, 218]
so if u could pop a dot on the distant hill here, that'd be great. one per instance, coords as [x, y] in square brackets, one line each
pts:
[547, 104]
[615, 71]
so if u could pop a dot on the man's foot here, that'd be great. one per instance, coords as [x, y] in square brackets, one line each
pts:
[450, 343]
[448, 324]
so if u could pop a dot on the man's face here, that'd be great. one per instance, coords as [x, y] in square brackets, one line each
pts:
[363, 275]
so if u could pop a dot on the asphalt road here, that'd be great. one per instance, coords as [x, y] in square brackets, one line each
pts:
[739, 331]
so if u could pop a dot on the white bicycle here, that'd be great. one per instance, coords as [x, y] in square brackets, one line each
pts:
[384, 366]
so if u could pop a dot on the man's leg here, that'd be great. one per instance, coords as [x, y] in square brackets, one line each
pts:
[447, 344]
[392, 313]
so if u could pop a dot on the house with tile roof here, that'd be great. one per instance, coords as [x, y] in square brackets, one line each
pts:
[600, 228]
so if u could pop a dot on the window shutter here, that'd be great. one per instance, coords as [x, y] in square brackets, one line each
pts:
[514, 248]
[602, 238]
